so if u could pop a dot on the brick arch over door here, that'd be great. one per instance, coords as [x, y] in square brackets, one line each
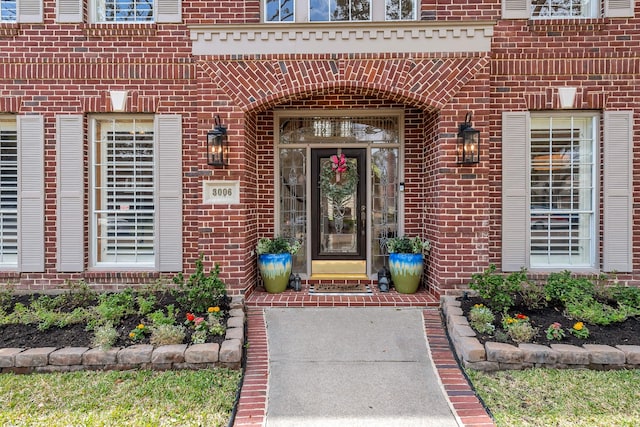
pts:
[424, 81]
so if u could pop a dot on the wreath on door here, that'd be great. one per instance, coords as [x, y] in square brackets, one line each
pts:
[339, 179]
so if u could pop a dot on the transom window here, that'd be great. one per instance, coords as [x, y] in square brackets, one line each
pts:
[339, 10]
[123, 191]
[562, 190]
[124, 10]
[545, 9]
[8, 193]
[8, 10]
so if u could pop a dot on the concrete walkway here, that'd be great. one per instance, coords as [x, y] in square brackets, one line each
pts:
[346, 366]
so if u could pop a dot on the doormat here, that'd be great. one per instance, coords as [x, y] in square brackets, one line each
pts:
[340, 289]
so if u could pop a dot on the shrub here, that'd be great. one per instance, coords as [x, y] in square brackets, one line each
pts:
[114, 306]
[563, 287]
[200, 291]
[532, 294]
[496, 289]
[105, 336]
[277, 245]
[159, 318]
[167, 334]
[519, 328]
[481, 319]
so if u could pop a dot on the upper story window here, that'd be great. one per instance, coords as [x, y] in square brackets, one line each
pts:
[8, 10]
[339, 10]
[547, 9]
[124, 11]
[566, 9]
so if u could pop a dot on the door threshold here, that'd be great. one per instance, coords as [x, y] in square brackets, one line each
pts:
[338, 276]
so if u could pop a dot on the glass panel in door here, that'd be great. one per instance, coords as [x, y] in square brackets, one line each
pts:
[338, 204]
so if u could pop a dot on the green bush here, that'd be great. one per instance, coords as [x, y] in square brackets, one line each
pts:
[499, 291]
[563, 287]
[200, 291]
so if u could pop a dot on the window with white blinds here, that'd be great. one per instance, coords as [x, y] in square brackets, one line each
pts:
[8, 193]
[123, 191]
[562, 190]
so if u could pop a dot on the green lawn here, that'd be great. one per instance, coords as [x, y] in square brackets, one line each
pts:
[133, 398]
[561, 398]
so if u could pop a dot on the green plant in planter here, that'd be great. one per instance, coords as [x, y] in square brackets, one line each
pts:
[406, 262]
[277, 245]
[275, 261]
[407, 245]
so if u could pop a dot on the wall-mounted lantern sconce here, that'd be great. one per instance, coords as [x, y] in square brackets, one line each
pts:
[468, 145]
[218, 145]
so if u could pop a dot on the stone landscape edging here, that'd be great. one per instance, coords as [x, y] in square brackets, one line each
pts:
[140, 356]
[495, 356]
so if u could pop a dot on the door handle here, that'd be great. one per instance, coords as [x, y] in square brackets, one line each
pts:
[363, 219]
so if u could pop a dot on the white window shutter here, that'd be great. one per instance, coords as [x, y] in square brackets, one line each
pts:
[30, 11]
[31, 191]
[70, 227]
[168, 131]
[168, 11]
[619, 8]
[69, 11]
[516, 9]
[618, 191]
[515, 190]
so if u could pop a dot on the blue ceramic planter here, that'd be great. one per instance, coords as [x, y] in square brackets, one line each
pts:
[406, 272]
[275, 270]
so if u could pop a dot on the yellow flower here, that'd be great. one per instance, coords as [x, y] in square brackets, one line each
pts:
[578, 326]
[131, 335]
[478, 305]
[510, 320]
[213, 309]
[140, 326]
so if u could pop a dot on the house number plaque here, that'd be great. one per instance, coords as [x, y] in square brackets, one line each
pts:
[221, 192]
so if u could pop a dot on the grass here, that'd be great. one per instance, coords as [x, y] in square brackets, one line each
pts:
[561, 398]
[132, 398]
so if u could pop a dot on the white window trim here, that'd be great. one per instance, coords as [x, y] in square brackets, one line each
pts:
[595, 12]
[597, 174]
[95, 18]
[302, 7]
[94, 265]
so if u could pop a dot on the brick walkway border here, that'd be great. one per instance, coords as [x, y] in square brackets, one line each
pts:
[252, 405]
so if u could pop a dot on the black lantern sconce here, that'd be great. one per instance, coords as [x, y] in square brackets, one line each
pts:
[218, 145]
[468, 145]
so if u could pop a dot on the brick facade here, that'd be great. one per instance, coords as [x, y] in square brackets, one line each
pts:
[52, 69]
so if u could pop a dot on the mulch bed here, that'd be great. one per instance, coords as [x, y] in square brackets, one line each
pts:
[76, 335]
[624, 333]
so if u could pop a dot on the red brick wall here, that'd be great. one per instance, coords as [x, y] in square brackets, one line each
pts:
[531, 58]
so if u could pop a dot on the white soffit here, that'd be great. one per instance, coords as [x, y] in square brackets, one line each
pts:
[352, 37]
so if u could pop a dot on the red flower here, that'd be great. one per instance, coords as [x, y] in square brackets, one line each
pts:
[521, 316]
[190, 317]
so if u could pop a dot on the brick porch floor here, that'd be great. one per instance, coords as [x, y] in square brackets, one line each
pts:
[251, 409]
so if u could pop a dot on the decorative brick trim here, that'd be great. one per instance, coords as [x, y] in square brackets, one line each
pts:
[119, 30]
[426, 82]
[9, 30]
